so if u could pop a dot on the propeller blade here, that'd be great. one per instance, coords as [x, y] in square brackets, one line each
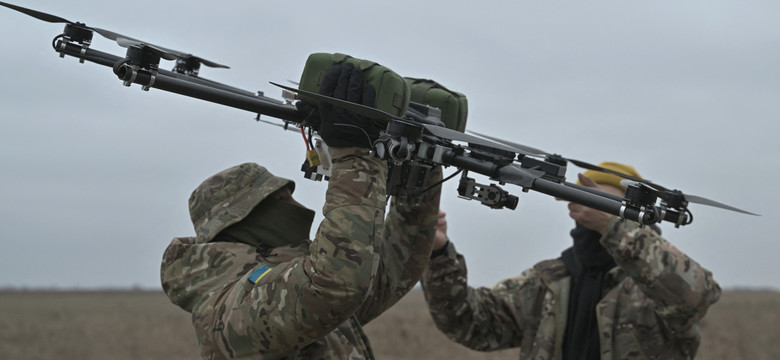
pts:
[108, 34]
[590, 166]
[173, 54]
[127, 42]
[579, 163]
[450, 134]
[209, 63]
[527, 150]
[37, 14]
[367, 111]
[705, 201]
[122, 40]
[165, 53]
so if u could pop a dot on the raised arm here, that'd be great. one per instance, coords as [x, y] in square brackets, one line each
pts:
[480, 318]
[408, 238]
[682, 289]
[299, 301]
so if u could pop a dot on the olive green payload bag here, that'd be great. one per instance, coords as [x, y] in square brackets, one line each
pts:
[392, 91]
[453, 105]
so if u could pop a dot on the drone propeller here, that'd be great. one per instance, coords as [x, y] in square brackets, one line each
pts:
[165, 53]
[84, 33]
[670, 196]
[677, 196]
[578, 163]
[37, 14]
[455, 135]
[705, 201]
[526, 149]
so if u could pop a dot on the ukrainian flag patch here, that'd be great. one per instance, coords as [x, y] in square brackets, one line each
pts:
[258, 274]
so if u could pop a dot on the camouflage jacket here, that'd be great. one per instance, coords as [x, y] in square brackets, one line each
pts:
[311, 300]
[650, 307]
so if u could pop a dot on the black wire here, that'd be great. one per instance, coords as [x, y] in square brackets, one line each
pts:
[311, 144]
[54, 41]
[438, 183]
[690, 216]
[370, 143]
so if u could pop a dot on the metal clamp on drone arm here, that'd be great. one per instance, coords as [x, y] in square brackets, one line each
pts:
[136, 61]
[73, 35]
[398, 142]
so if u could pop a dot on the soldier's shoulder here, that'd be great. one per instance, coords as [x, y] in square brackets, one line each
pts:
[553, 268]
[529, 277]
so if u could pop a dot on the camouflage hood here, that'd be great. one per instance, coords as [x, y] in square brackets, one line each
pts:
[228, 196]
[191, 272]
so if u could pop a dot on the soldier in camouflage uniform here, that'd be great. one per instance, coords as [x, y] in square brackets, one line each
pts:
[256, 286]
[620, 292]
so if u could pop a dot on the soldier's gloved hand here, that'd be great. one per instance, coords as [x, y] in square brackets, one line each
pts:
[340, 127]
[310, 114]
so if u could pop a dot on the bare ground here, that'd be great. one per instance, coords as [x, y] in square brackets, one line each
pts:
[144, 325]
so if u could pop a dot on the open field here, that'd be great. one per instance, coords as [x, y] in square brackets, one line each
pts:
[144, 325]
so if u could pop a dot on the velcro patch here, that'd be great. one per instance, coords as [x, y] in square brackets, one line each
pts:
[258, 274]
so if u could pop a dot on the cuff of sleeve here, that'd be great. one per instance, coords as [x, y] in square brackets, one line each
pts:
[613, 226]
[357, 178]
[441, 251]
[444, 256]
[617, 229]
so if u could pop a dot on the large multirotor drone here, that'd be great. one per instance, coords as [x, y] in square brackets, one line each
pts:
[412, 144]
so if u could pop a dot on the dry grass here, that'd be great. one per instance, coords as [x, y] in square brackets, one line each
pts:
[144, 325]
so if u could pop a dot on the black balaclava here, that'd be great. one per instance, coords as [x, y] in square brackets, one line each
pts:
[271, 224]
[587, 262]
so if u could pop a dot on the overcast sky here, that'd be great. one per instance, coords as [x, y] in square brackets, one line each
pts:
[95, 176]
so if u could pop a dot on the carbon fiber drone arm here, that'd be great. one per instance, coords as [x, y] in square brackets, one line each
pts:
[536, 180]
[186, 85]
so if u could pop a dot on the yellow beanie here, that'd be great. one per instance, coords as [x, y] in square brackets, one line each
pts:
[610, 179]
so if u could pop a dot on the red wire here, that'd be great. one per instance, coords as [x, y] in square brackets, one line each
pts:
[304, 139]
